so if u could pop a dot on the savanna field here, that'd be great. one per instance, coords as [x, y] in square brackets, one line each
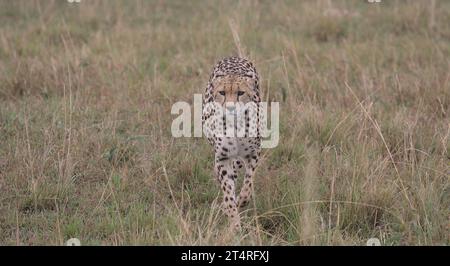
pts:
[86, 149]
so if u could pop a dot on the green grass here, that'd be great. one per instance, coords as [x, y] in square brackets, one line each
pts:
[85, 144]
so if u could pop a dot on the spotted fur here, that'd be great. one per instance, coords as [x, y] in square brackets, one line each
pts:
[233, 153]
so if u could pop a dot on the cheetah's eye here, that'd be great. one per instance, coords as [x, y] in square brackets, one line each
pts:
[240, 93]
[222, 93]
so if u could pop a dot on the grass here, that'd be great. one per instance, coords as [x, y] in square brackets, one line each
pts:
[85, 143]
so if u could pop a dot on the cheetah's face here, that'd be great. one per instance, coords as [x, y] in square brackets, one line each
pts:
[230, 91]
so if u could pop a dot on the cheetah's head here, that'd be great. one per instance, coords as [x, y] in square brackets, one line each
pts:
[232, 90]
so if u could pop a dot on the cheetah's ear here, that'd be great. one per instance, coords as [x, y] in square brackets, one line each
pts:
[219, 74]
[250, 74]
[216, 78]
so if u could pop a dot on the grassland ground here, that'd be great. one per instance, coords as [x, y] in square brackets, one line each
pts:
[86, 150]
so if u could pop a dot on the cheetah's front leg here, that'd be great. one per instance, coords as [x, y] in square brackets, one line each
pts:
[226, 176]
[246, 191]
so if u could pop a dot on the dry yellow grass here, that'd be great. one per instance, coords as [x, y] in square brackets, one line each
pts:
[85, 143]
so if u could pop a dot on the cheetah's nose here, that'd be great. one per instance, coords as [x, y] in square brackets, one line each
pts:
[231, 108]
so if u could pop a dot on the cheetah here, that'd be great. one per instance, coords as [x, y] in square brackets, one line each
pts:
[231, 102]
